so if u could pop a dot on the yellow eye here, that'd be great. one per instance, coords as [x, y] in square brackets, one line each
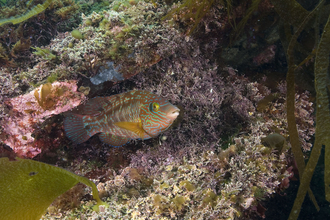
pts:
[155, 106]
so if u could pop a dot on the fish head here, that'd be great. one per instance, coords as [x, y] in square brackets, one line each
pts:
[157, 115]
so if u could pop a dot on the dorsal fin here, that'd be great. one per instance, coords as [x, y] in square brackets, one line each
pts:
[95, 106]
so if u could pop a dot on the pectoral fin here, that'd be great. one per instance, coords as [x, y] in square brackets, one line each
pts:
[135, 127]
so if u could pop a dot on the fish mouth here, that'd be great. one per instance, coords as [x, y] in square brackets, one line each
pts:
[174, 113]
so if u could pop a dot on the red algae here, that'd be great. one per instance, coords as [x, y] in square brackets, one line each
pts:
[27, 115]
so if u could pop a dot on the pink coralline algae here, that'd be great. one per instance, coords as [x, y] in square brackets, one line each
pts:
[26, 115]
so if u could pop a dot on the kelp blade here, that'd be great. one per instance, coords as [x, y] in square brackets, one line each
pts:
[322, 132]
[294, 138]
[322, 85]
[34, 11]
[290, 11]
[28, 187]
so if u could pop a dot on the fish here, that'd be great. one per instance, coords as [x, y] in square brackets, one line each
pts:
[118, 119]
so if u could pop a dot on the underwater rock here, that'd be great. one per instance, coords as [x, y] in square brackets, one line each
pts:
[109, 73]
[26, 114]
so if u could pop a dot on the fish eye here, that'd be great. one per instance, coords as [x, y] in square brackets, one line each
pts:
[154, 107]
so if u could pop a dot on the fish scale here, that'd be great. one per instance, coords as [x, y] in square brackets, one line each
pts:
[136, 114]
[126, 112]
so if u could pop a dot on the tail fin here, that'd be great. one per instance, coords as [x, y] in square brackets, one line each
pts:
[75, 129]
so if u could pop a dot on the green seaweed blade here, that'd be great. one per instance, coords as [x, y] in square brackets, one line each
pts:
[28, 187]
[322, 131]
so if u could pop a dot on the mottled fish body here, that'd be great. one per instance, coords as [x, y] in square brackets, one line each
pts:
[120, 118]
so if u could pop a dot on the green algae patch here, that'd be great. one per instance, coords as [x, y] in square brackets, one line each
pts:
[28, 187]
[44, 53]
[210, 198]
[77, 34]
[274, 141]
[178, 202]
[164, 186]
[158, 199]
[192, 12]
[185, 183]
